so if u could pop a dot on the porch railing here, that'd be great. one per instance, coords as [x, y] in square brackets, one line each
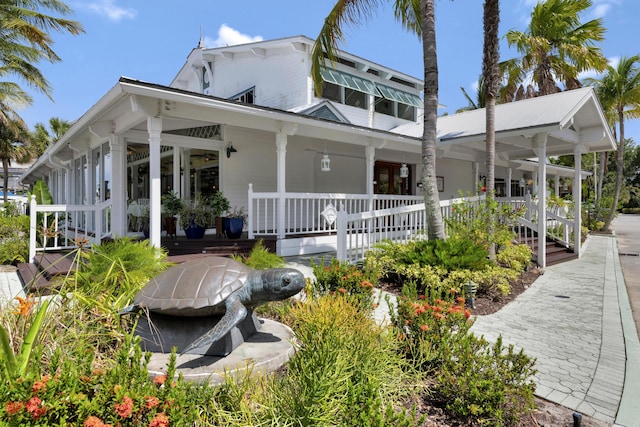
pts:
[63, 227]
[311, 213]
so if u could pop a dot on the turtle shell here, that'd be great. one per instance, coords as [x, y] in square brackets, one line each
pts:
[198, 287]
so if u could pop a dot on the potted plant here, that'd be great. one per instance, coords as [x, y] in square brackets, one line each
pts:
[172, 206]
[219, 206]
[234, 222]
[195, 217]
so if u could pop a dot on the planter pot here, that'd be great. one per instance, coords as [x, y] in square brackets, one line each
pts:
[170, 225]
[194, 232]
[233, 227]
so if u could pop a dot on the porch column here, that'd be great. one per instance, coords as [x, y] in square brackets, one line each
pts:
[540, 142]
[118, 180]
[556, 185]
[577, 200]
[186, 166]
[176, 171]
[154, 128]
[475, 169]
[509, 178]
[281, 147]
[370, 153]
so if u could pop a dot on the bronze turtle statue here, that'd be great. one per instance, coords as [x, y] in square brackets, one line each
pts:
[213, 286]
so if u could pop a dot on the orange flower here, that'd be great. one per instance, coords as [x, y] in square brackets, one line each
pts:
[124, 409]
[467, 314]
[342, 290]
[424, 327]
[24, 306]
[160, 420]
[453, 291]
[160, 380]
[35, 407]
[438, 316]
[93, 421]
[13, 408]
[460, 300]
[366, 284]
[151, 402]
[38, 385]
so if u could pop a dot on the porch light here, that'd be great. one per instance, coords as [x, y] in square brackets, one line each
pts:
[325, 163]
[230, 149]
[522, 183]
[565, 186]
[404, 171]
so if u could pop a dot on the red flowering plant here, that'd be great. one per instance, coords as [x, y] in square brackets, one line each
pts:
[425, 325]
[342, 278]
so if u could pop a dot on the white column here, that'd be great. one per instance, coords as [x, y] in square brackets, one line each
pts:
[540, 141]
[118, 180]
[176, 170]
[509, 178]
[154, 128]
[281, 147]
[577, 198]
[556, 185]
[370, 155]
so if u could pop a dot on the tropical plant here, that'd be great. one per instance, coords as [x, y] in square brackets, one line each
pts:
[219, 204]
[260, 258]
[196, 212]
[555, 48]
[415, 16]
[619, 92]
[25, 42]
[41, 137]
[172, 203]
[13, 144]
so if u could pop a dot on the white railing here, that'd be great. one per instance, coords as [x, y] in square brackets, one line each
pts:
[311, 213]
[358, 233]
[64, 227]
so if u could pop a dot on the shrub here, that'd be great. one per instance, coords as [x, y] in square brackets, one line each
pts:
[14, 240]
[490, 383]
[451, 254]
[260, 258]
[343, 278]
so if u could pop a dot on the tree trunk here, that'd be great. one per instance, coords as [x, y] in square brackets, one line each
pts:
[435, 224]
[5, 180]
[619, 173]
[491, 75]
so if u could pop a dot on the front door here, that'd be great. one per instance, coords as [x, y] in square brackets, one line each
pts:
[388, 179]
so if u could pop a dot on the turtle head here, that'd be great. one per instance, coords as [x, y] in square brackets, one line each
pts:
[276, 284]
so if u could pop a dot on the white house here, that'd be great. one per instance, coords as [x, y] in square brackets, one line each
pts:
[245, 120]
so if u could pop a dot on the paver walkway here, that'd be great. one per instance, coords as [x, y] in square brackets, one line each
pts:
[570, 321]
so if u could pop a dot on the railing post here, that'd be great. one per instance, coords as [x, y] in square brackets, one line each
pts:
[33, 215]
[250, 217]
[341, 228]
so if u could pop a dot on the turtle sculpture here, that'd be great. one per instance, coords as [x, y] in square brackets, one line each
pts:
[209, 297]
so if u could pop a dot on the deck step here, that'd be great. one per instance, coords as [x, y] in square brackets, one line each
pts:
[33, 281]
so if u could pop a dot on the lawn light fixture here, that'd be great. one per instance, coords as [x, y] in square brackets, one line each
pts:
[230, 149]
[404, 171]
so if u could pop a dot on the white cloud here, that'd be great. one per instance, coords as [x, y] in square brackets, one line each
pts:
[112, 11]
[227, 36]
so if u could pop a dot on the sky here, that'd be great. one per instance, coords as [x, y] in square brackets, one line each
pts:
[150, 40]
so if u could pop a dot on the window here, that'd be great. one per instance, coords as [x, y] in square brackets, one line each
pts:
[384, 106]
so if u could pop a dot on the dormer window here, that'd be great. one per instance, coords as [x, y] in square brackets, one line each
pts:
[247, 96]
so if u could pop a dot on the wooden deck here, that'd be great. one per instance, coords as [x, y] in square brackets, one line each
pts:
[44, 275]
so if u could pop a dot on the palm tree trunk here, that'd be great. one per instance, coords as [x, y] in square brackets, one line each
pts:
[5, 180]
[619, 173]
[491, 75]
[435, 224]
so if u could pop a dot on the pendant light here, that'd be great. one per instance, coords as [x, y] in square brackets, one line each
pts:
[404, 171]
[325, 162]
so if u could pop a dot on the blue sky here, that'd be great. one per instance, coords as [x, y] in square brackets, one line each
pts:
[150, 40]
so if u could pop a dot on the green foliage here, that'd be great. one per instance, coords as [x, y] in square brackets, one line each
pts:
[344, 361]
[490, 383]
[515, 257]
[41, 191]
[338, 277]
[197, 212]
[451, 254]
[14, 240]
[486, 222]
[260, 258]
[10, 209]
[219, 204]
[172, 204]
[15, 365]
[77, 391]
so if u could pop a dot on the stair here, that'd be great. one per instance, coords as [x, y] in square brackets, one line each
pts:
[556, 253]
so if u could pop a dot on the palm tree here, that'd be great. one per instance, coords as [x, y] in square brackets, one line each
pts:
[13, 138]
[416, 16]
[42, 137]
[555, 48]
[619, 93]
[491, 80]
